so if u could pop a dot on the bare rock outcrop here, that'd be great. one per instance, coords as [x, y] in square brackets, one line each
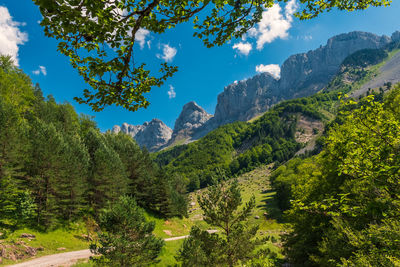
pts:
[245, 99]
[301, 75]
[152, 135]
[191, 118]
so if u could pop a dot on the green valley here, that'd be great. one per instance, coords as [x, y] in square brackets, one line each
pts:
[312, 180]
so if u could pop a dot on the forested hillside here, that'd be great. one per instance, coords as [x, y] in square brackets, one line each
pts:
[241, 146]
[56, 166]
[340, 195]
[343, 203]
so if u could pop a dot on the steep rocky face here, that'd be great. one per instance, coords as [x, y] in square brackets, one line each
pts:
[301, 75]
[244, 99]
[129, 129]
[152, 135]
[191, 118]
[306, 73]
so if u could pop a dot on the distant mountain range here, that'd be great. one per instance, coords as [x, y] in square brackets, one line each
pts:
[301, 75]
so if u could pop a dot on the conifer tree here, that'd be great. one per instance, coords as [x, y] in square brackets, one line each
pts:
[70, 188]
[236, 241]
[45, 168]
[107, 178]
[126, 238]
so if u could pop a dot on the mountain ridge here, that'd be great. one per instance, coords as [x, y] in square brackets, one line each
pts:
[302, 74]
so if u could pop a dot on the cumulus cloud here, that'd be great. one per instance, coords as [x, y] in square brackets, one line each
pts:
[243, 48]
[10, 35]
[171, 92]
[272, 69]
[168, 53]
[290, 8]
[41, 69]
[141, 36]
[275, 23]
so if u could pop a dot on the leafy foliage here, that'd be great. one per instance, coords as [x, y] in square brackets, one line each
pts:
[344, 204]
[99, 37]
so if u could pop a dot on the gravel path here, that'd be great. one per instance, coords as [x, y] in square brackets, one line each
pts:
[69, 258]
[61, 259]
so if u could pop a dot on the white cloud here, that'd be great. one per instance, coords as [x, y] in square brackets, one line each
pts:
[10, 35]
[272, 69]
[275, 23]
[290, 8]
[168, 53]
[42, 70]
[307, 37]
[243, 48]
[171, 92]
[141, 36]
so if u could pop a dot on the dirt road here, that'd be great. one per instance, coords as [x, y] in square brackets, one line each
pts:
[60, 259]
[69, 258]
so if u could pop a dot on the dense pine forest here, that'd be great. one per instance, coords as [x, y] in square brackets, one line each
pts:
[56, 166]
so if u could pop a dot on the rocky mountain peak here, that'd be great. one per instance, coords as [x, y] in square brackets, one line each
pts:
[191, 117]
[244, 99]
[302, 74]
[306, 73]
[152, 135]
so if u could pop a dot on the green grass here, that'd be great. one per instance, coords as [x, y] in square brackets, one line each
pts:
[175, 226]
[168, 253]
[254, 183]
[70, 239]
[83, 263]
[167, 256]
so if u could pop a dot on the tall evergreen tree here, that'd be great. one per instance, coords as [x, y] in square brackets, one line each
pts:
[107, 177]
[45, 168]
[126, 238]
[70, 188]
[221, 207]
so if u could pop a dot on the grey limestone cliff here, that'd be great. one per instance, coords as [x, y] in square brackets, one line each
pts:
[152, 135]
[191, 118]
[301, 75]
[396, 36]
[244, 99]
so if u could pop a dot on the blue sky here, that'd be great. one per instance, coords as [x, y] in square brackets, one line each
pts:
[203, 72]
